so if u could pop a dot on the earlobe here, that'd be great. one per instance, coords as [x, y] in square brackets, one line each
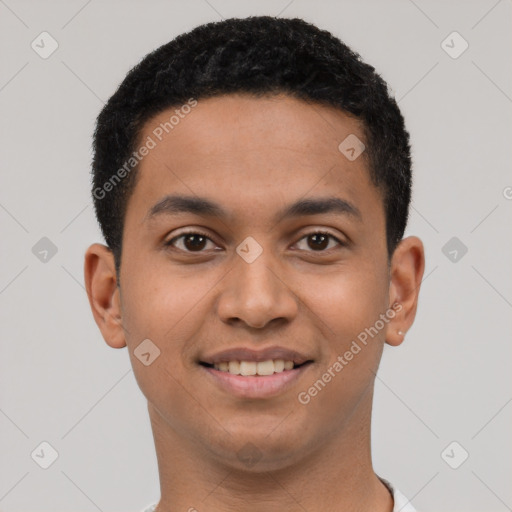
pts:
[406, 273]
[103, 293]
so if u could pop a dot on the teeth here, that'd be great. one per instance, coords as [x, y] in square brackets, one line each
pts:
[279, 365]
[234, 367]
[265, 367]
[247, 368]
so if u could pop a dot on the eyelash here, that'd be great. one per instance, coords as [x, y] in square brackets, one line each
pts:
[306, 235]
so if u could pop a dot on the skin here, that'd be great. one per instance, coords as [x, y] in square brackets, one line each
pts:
[254, 156]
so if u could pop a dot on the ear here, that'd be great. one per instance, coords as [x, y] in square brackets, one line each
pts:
[104, 294]
[406, 273]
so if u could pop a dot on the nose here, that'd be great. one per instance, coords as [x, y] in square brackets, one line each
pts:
[257, 293]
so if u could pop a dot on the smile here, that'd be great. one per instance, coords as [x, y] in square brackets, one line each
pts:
[250, 379]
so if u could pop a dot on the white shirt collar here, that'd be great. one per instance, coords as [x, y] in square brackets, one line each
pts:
[402, 504]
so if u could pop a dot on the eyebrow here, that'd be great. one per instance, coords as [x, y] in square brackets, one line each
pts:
[176, 204]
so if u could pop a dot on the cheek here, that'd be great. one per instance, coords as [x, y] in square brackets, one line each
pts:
[352, 350]
[160, 302]
[350, 303]
[347, 301]
[165, 310]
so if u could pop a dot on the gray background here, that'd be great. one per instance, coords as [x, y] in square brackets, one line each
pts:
[449, 381]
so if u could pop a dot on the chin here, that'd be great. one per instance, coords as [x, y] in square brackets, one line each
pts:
[259, 451]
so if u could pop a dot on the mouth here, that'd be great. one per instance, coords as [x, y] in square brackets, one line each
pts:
[255, 368]
[255, 380]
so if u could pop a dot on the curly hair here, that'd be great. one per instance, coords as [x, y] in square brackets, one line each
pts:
[258, 55]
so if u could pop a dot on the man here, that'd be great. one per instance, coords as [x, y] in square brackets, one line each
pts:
[252, 179]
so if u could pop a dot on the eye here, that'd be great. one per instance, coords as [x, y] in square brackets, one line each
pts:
[320, 240]
[196, 241]
[193, 241]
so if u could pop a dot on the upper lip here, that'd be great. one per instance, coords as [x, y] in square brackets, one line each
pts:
[248, 354]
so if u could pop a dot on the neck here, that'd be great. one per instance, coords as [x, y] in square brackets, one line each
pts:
[336, 476]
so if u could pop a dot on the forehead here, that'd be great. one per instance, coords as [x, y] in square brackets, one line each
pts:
[251, 153]
[242, 122]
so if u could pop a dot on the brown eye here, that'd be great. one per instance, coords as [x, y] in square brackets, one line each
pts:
[194, 242]
[190, 242]
[319, 241]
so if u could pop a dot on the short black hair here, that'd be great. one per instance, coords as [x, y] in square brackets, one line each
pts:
[258, 55]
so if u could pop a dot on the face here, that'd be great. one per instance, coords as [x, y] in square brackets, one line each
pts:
[229, 271]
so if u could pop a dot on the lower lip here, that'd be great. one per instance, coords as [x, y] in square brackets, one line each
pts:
[256, 386]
